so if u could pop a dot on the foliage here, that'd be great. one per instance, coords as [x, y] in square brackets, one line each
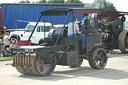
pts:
[34, 2]
[41, 1]
[24, 1]
[109, 7]
[73, 1]
[0, 5]
[105, 5]
[53, 1]
[56, 1]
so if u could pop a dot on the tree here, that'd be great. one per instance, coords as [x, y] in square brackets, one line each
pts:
[105, 5]
[33, 2]
[56, 1]
[73, 1]
[41, 1]
[0, 5]
[27, 1]
[109, 7]
[24, 1]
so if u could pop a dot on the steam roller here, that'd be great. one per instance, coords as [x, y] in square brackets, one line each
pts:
[121, 34]
[33, 64]
[59, 49]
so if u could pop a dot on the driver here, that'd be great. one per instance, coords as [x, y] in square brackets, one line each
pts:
[6, 40]
[77, 32]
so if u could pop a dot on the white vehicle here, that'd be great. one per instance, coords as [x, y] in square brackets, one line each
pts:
[59, 25]
[38, 35]
[126, 25]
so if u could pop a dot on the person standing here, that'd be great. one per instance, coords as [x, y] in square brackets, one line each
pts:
[6, 40]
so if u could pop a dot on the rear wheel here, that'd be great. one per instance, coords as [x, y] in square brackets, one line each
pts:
[123, 41]
[80, 61]
[98, 58]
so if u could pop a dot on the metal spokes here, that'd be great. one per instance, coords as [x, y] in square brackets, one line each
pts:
[100, 58]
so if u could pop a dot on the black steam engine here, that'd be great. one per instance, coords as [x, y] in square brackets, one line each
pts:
[111, 25]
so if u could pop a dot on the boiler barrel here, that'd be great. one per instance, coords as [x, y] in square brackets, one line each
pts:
[107, 27]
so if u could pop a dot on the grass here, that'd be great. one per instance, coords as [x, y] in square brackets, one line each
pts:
[6, 58]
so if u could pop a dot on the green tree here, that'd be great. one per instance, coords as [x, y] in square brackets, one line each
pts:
[27, 1]
[0, 5]
[41, 1]
[105, 5]
[109, 7]
[56, 1]
[24, 1]
[33, 2]
[73, 1]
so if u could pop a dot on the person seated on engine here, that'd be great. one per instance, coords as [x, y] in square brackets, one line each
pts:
[6, 41]
[100, 24]
[73, 26]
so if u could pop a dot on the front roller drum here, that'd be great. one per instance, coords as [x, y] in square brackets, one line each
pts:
[22, 70]
[123, 41]
[97, 57]
[33, 65]
[17, 62]
[41, 68]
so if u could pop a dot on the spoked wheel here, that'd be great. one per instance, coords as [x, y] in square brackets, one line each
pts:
[13, 42]
[98, 58]
[80, 61]
[123, 41]
[22, 70]
[42, 69]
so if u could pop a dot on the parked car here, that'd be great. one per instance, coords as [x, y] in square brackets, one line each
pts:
[37, 37]
[59, 25]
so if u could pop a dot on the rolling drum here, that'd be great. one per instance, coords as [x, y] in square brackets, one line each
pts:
[123, 41]
[17, 59]
[42, 69]
[22, 70]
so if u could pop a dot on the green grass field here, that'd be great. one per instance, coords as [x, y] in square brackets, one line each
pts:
[6, 58]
